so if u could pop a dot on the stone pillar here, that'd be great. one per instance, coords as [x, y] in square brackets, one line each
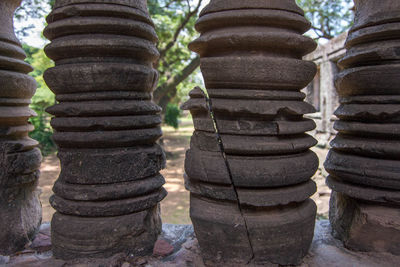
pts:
[249, 164]
[364, 162]
[106, 127]
[20, 208]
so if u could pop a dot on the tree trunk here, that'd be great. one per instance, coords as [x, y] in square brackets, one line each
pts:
[165, 92]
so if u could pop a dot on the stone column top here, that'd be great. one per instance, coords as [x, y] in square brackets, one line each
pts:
[139, 4]
[223, 5]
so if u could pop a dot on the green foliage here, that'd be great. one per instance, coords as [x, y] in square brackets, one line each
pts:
[172, 115]
[174, 21]
[29, 51]
[41, 100]
[329, 18]
[43, 132]
[40, 63]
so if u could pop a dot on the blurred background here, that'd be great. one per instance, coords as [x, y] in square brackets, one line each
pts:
[180, 73]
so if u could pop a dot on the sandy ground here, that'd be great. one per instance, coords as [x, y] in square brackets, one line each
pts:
[175, 207]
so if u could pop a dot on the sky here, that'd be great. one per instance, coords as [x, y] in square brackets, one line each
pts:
[34, 37]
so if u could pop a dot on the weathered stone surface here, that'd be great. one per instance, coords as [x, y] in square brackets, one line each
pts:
[364, 170]
[249, 164]
[365, 226]
[374, 194]
[206, 167]
[99, 192]
[255, 145]
[277, 234]
[273, 171]
[106, 128]
[208, 190]
[363, 163]
[20, 208]
[117, 165]
[220, 223]
[270, 197]
[162, 248]
[107, 208]
[97, 237]
[41, 243]
[265, 171]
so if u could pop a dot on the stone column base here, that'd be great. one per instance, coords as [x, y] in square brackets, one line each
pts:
[102, 237]
[364, 226]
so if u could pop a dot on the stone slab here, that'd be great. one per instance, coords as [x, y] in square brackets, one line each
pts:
[325, 251]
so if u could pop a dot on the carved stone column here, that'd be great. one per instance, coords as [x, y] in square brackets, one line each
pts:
[364, 162]
[20, 208]
[249, 164]
[106, 127]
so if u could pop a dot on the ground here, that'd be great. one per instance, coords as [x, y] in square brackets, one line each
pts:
[175, 207]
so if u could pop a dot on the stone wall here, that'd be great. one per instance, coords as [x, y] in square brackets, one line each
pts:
[321, 92]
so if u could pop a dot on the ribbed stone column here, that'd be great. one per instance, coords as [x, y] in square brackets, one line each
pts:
[20, 208]
[106, 128]
[364, 162]
[249, 164]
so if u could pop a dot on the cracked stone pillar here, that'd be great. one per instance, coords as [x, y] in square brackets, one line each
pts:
[106, 127]
[249, 164]
[364, 162]
[20, 208]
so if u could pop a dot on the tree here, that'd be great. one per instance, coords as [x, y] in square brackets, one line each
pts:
[31, 9]
[174, 20]
[329, 18]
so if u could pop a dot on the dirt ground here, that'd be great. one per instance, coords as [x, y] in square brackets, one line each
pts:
[175, 207]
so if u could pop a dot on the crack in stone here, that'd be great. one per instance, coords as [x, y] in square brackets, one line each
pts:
[222, 150]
